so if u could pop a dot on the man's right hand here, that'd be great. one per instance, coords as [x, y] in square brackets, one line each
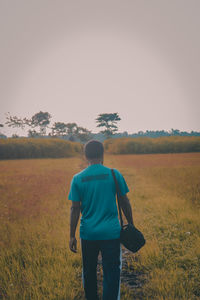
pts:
[73, 244]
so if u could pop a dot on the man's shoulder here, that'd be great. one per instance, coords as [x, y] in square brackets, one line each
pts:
[117, 172]
[87, 171]
[118, 175]
[80, 174]
[106, 168]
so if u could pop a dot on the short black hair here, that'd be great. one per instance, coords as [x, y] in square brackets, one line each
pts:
[93, 149]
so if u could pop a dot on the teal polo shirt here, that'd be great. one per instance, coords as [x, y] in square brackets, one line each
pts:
[95, 188]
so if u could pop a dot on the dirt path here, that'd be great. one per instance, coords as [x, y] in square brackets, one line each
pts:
[129, 277]
[132, 280]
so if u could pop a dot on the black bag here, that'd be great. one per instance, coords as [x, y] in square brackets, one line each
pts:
[130, 236]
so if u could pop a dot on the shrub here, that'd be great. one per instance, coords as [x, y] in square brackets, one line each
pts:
[37, 148]
[145, 145]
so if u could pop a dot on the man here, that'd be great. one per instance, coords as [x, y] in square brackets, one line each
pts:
[93, 192]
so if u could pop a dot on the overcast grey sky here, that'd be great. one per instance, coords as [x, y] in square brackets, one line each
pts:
[76, 59]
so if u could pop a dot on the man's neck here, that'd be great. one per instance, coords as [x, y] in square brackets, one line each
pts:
[95, 162]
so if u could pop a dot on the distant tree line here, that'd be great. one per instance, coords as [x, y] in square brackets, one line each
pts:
[40, 123]
[157, 133]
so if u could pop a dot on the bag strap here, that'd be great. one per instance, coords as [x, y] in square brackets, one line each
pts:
[118, 197]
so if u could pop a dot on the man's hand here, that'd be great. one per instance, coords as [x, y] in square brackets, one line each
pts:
[73, 244]
[74, 217]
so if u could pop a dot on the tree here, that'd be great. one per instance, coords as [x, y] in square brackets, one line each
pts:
[109, 122]
[71, 130]
[83, 134]
[33, 134]
[42, 120]
[2, 136]
[175, 132]
[15, 136]
[14, 121]
[59, 129]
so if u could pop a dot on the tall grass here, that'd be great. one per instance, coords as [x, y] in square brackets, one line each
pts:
[35, 259]
[165, 196]
[37, 148]
[144, 145]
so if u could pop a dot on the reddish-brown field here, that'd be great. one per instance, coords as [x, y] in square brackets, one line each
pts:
[29, 185]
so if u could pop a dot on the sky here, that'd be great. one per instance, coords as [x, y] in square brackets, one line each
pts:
[77, 59]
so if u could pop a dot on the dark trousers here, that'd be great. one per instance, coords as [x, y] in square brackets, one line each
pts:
[111, 261]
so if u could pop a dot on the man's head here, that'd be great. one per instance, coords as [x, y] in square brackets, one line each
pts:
[94, 151]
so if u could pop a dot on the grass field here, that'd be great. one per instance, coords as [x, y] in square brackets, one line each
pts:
[35, 260]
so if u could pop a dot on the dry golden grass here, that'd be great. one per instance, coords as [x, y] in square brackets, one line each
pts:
[165, 196]
[35, 260]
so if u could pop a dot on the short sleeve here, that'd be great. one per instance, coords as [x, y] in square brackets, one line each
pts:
[122, 183]
[74, 192]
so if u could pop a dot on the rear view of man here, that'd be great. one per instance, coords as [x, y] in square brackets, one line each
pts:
[93, 193]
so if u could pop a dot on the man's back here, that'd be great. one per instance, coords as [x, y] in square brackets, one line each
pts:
[94, 187]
